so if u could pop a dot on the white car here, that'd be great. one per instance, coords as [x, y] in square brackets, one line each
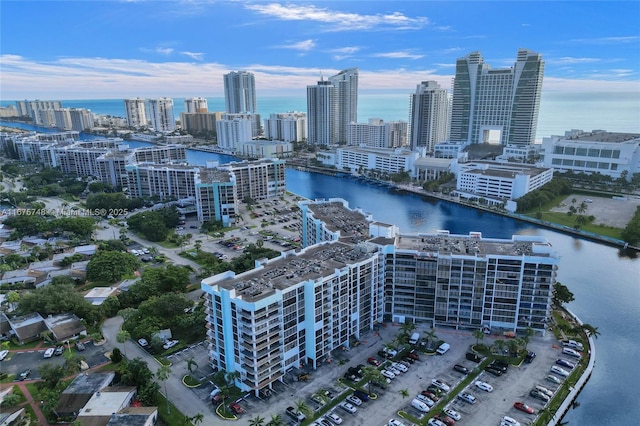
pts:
[49, 352]
[170, 344]
[394, 370]
[352, 399]
[388, 374]
[336, 419]
[509, 421]
[391, 352]
[559, 371]
[553, 379]
[484, 386]
[436, 422]
[440, 384]
[571, 352]
[467, 397]
[425, 399]
[143, 342]
[3, 354]
[452, 413]
[348, 407]
[400, 367]
[394, 422]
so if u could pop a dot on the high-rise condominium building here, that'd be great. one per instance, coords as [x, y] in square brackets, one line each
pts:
[288, 127]
[331, 106]
[192, 105]
[496, 105]
[136, 112]
[162, 115]
[430, 108]
[240, 92]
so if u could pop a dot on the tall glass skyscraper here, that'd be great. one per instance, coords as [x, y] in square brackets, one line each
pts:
[331, 105]
[430, 109]
[497, 106]
[240, 92]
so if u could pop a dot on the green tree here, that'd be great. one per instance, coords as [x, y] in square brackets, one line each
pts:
[478, 334]
[372, 374]
[590, 330]
[11, 400]
[304, 408]
[123, 337]
[257, 421]
[276, 420]
[13, 297]
[528, 334]
[51, 374]
[561, 294]
[231, 377]
[197, 419]
[110, 266]
[404, 393]
[407, 328]
[431, 336]
[499, 346]
[192, 365]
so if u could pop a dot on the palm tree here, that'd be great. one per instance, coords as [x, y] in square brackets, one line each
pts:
[162, 374]
[122, 337]
[478, 334]
[407, 328]
[231, 377]
[192, 365]
[499, 346]
[591, 330]
[528, 333]
[198, 245]
[197, 419]
[302, 407]
[372, 374]
[404, 393]
[276, 420]
[431, 336]
[256, 421]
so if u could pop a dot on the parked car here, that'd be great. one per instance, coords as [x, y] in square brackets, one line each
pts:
[553, 379]
[448, 421]
[336, 419]
[452, 413]
[539, 395]
[461, 369]
[80, 346]
[566, 363]
[419, 405]
[472, 356]
[361, 395]
[351, 399]
[573, 345]
[375, 362]
[432, 396]
[425, 399]
[409, 359]
[236, 408]
[59, 350]
[49, 352]
[294, 414]
[484, 386]
[435, 422]
[530, 356]
[509, 421]
[390, 351]
[500, 365]
[324, 422]
[559, 371]
[394, 422]
[494, 371]
[544, 390]
[401, 367]
[351, 376]
[413, 354]
[169, 344]
[3, 354]
[24, 374]
[348, 407]
[387, 374]
[143, 343]
[523, 407]
[384, 355]
[467, 397]
[440, 384]
[571, 352]
[394, 370]
[317, 399]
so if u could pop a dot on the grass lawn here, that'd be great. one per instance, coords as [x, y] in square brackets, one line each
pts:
[563, 219]
[169, 414]
[167, 244]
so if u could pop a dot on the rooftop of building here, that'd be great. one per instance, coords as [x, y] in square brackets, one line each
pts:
[482, 151]
[132, 416]
[602, 136]
[337, 217]
[208, 175]
[397, 152]
[88, 383]
[531, 171]
[291, 269]
[474, 245]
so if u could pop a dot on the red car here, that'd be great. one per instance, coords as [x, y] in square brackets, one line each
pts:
[523, 407]
[236, 408]
[445, 419]
[430, 395]
[374, 361]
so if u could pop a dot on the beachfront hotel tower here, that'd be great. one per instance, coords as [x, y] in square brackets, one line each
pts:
[136, 112]
[161, 114]
[195, 105]
[331, 106]
[240, 92]
[496, 105]
[430, 108]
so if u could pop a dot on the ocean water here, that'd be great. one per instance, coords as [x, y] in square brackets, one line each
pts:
[559, 112]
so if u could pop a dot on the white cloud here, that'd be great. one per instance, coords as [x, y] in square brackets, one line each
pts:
[398, 55]
[305, 45]
[607, 40]
[346, 50]
[571, 60]
[95, 78]
[198, 56]
[338, 21]
[160, 50]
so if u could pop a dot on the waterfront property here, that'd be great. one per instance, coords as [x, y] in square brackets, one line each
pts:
[355, 272]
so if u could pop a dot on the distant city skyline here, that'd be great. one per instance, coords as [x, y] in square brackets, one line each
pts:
[110, 49]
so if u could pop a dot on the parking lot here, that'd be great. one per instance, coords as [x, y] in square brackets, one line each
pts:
[34, 358]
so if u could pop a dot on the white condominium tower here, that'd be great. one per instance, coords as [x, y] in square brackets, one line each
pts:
[240, 92]
[193, 105]
[490, 102]
[161, 114]
[331, 106]
[430, 109]
[136, 113]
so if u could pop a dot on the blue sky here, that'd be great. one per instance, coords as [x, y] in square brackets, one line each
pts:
[115, 49]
